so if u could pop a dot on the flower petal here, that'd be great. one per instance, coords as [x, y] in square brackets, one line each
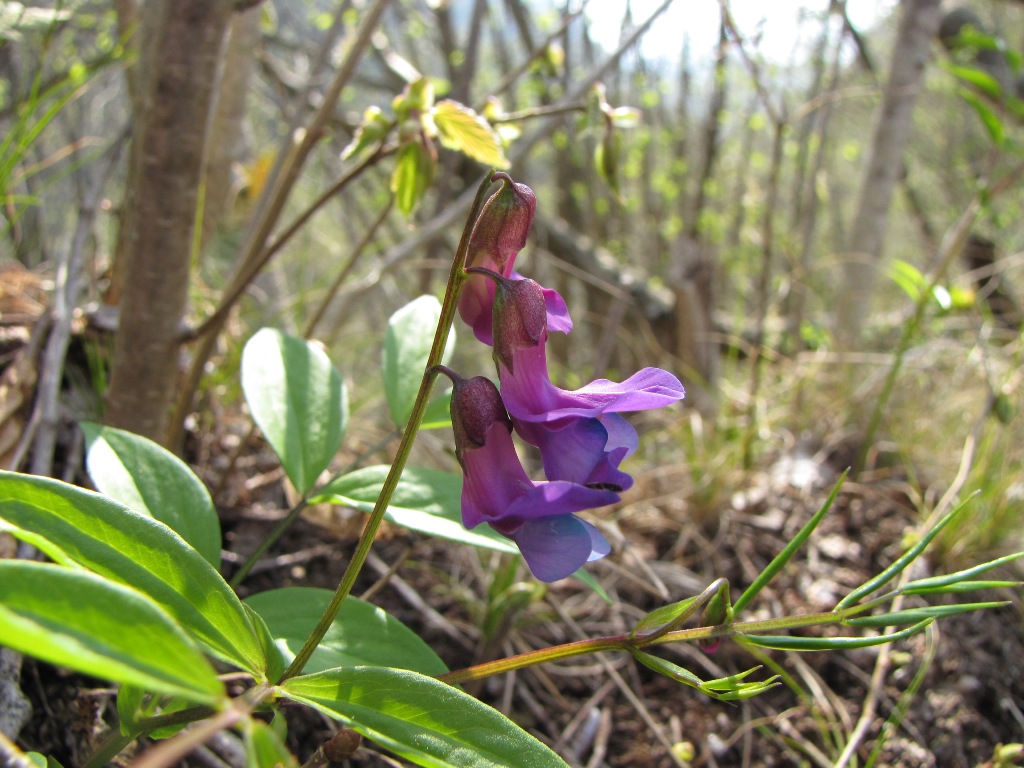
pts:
[556, 547]
[583, 450]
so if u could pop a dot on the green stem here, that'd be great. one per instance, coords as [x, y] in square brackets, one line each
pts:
[455, 279]
[624, 642]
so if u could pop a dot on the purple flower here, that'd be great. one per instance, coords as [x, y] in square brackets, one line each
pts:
[538, 516]
[580, 435]
[499, 234]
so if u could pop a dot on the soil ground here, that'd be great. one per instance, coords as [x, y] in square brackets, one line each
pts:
[610, 711]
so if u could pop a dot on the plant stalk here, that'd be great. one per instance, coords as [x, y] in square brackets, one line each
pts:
[456, 277]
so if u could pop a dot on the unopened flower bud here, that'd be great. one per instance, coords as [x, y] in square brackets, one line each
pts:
[476, 405]
[520, 318]
[502, 227]
[498, 235]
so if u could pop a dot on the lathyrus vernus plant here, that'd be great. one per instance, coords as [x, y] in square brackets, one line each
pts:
[133, 591]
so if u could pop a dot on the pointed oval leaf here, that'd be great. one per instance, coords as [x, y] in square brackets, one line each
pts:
[85, 622]
[463, 130]
[420, 718]
[297, 399]
[407, 343]
[361, 635]
[152, 480]
[426, 500]
[112, 540]
[666, 615]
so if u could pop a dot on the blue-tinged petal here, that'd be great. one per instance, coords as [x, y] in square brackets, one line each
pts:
[549, 499]
[493, 478]
[582, 450]
[555, 547]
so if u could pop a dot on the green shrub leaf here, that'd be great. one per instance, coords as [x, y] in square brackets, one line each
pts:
[426, 500]
[87, 529]
[362, 634]
[152, 480]
[407, 342]
[420, 718]
[85, 622]
[463, 130]
[297, 399]
[414, 170]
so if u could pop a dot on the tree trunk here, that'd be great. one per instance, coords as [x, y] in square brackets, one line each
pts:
[918, 26]
[181, 42]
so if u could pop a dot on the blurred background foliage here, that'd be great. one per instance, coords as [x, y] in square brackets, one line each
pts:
[701, 202]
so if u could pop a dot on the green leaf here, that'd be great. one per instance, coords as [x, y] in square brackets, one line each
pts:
[978, 78]
[90, 530]
[788, 551]
[407, 343]
[85, 622]
[731, 688]
[414, 170]
[908, 277]
[438, 414]
[298, 400]
[916, 615]
[988, 116]
[426, 500]
[420, 718]
[937, 584]
[463, 130]
[152, 480]
[790, 643]
[668, 615]
[362, 634]
[264, 748]
[902, 562]
[38, 760]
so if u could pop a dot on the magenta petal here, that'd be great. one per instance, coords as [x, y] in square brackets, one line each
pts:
[583, 450]
[531, 397]
[556, 547]
[558, 312]
[554, 498]
[493, 478]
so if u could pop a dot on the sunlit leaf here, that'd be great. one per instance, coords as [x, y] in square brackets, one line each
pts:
[420, 718]
[152, 480]
[426, 500]
[407, 343]
[297, 399]
[84, 528]
[414, 170]
[76, 619]
[463, 130]
[362, 633]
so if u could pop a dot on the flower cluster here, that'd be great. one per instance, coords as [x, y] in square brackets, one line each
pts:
[581, 437]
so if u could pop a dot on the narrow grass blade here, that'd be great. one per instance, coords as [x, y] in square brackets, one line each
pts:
[784, 556]
[915, 615]
[788, 643]
[902, 562]
[936, 583]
